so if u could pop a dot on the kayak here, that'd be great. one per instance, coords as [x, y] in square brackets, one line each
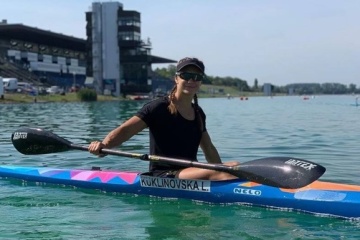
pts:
[275, 182]
[319, 197]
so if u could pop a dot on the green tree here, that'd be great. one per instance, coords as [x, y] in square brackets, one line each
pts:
[352, 88]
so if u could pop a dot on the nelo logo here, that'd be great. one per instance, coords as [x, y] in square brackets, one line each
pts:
[247, 191]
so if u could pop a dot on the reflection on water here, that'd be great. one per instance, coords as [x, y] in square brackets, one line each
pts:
[323, 130]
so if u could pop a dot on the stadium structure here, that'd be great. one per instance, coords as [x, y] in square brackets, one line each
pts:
[41, 57]
[113, 59]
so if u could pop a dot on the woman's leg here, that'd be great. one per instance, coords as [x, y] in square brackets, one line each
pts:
[206, 174]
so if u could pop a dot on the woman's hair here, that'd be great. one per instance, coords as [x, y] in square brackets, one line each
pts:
[172, 108]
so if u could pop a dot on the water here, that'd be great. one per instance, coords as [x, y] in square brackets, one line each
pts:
[324, 129]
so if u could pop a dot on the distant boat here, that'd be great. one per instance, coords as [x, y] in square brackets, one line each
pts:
[243, 98]
[139, 97]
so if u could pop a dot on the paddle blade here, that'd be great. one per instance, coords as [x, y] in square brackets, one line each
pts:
[283, 172]
[32, 141]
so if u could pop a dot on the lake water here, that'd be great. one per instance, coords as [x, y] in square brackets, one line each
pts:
[324, 129]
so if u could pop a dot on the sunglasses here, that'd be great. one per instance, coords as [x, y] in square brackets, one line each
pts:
[194, 76]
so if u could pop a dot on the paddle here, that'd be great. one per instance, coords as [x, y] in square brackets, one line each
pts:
[283, 172]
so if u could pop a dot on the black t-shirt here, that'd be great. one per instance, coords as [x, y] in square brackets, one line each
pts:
[171, 135]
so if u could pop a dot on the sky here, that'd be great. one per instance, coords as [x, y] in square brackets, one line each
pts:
[274, 41]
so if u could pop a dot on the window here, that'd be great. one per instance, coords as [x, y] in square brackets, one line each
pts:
[129, 21]
[129, 36]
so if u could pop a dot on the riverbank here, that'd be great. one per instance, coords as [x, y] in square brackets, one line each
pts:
[207, 91]
[69, 97]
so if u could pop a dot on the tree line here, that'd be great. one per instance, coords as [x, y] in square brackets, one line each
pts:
[318, 88]
[295, 88]
[241, 84]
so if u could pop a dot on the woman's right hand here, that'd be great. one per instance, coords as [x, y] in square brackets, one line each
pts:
[95, 148]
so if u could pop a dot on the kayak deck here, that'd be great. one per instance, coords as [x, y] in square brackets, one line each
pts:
[325, 198]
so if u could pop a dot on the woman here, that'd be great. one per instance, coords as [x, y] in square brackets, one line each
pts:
[177, 127]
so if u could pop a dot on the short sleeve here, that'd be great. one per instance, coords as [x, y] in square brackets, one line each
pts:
[151, 110]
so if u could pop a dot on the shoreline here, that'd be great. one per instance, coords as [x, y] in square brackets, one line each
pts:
[18, 98]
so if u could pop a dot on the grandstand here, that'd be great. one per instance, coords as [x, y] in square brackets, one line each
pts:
[41, 57]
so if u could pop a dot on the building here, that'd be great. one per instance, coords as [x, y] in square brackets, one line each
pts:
[112, 58]
[36, 55]
[1, 88]
[291, 91]
[267, 88]
[118, 59]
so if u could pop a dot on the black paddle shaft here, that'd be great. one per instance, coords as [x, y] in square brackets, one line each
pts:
[284, 172]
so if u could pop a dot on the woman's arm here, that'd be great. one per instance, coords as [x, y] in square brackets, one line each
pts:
[124, 132]
[119, 135]
[210, 151]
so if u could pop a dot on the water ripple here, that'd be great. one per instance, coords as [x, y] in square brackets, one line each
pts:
[323, 129]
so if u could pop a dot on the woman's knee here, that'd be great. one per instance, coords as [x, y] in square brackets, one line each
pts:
[232, 163]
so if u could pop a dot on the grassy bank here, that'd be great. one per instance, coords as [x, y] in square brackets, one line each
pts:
[206, 91]
[69, 97]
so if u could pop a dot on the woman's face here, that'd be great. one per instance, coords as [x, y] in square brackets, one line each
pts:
[192, 85]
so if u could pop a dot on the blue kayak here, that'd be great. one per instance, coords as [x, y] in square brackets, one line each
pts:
[319, 197]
